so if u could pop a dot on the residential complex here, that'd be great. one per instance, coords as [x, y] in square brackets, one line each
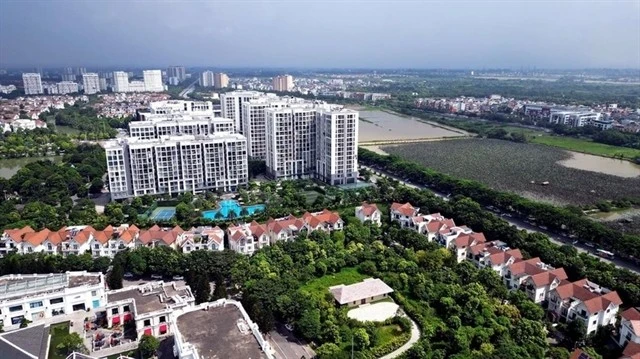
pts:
[565, 301]
[207, 79]
[220, 80]
[232, 105]
[176, 74]
[153, 80]
[66, 87]
[175, 164]
[91, 83]
[37, 297]
[283, 83]
[32, 84]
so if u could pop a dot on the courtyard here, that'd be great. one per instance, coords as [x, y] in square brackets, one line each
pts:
[374, 312]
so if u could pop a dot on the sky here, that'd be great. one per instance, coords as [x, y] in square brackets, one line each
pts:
[321, 34]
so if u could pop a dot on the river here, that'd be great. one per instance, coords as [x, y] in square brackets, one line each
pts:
[610, 166]
[11, 166]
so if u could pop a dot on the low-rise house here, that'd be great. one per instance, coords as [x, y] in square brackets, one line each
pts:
[44, 241]
[77, 240]
[284, 229]
[156, 236]
[495, 255]
[517, 272]
[403, 213]
[369, 212]
[629, 327]
[463, 242]
[110, 241]
[631, 351]
[11, 240]
[586, 301]
[367, 291]
[539, 285]
[149, 305]
[447, 235]
[38, 297]
[202, 238]
[325, 220]
[248, 237]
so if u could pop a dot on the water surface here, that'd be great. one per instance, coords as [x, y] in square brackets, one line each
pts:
[610, 166]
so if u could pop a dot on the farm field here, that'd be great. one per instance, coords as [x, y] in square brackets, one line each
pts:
[585, 146]
[511, 166]
[376, 126]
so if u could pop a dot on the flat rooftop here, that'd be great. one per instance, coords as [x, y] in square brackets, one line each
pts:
[17, 285]
[145, 303]
[215, 334]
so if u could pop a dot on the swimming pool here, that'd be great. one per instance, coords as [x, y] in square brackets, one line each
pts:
[230, 205]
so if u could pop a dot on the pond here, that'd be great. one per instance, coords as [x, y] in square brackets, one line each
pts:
[227, 206]
[11, 166]
[385, 126]
[610, 166]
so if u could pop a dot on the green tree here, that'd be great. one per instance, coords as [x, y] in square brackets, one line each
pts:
[309, 324]
[70, 343]
[328, 351]
[114, 278]
[183, 211]
[96, 186]
[148, 346]
[576, 332]
[220, 290]
[361, 339]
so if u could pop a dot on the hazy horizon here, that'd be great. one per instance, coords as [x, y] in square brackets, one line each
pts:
[561, 35]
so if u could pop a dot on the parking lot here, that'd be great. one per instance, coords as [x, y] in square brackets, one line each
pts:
[286, 345]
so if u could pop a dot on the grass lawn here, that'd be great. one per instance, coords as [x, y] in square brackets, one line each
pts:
[585, 146]
[311, 196]
[346, 276]
[58, 332]
[387, 333]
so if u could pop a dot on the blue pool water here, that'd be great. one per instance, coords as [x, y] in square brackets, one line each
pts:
[228, 205]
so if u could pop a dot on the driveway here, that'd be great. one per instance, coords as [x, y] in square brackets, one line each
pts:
[376, 312]
[286, 345]
[415, 335]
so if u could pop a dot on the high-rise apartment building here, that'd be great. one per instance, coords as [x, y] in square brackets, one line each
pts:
[176, 164]
[254, 122]
[103, 84]
[177, 72]
[231, 103]
[66, 87]
[291, 142]
[153, 80]
[337, 146]
[207, 79]
[221, 80]
[120, 81]
[91, 83]
[32, 83]
[68, 77]
[283, 83]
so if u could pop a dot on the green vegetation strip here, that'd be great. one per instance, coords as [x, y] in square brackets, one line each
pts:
[586, 146]
[58, 332]
[321, 285]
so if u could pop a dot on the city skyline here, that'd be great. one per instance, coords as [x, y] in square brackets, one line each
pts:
[403, 35]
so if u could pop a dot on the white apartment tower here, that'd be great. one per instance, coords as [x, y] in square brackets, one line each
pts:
[337, 146]
[66, 87]
[175, 164]
[291, 142]
[231, 103]
[178, 72]
[221, 80]
[283, 83]
[207, 79]
[120, 81]
[32, 83]
[91, 83]
[153, 80]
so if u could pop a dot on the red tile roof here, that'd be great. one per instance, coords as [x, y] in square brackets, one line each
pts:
[633, 316]
[526, 267]
[631, 351]
[405, 209]
[17, 234]
[547, 277]
[594, 302]
[369, 208]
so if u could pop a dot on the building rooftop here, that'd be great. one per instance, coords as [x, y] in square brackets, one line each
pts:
[16, 285]
[369, 287]
[25, 343]
[152, 297]
[215, 334]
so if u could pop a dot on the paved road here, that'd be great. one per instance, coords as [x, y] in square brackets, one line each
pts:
[286, 345]
[580, 247]
[185, 93]
[415, 335]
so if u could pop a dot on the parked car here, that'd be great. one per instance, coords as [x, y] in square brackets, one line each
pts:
[289, 327]
[128, 275]
[178, 277]
[156, 276]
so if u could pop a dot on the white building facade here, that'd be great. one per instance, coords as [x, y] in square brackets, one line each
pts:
[337, 146]
[120, 81]
[91, 83]
[232, 105]
[66, 87]
[153, 80]
[32, 84]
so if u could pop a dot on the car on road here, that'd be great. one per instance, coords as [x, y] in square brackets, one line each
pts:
[178, 277]
[128, 275]
[156, 276]
[289, 327]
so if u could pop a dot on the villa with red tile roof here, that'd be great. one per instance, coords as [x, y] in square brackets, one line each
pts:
[629, 327]
[369, 212]
[631, 351]
[495, 255]
[12, 240]
[285, 228]
[463, 242]
[247, 238]
[324, 220]
[202, 238]
[156, 236]
[539, 285]
[402, 213]
[584, 300]
[110, 241]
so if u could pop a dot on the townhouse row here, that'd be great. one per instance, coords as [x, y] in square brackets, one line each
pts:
[564, 300]
[244, 238]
